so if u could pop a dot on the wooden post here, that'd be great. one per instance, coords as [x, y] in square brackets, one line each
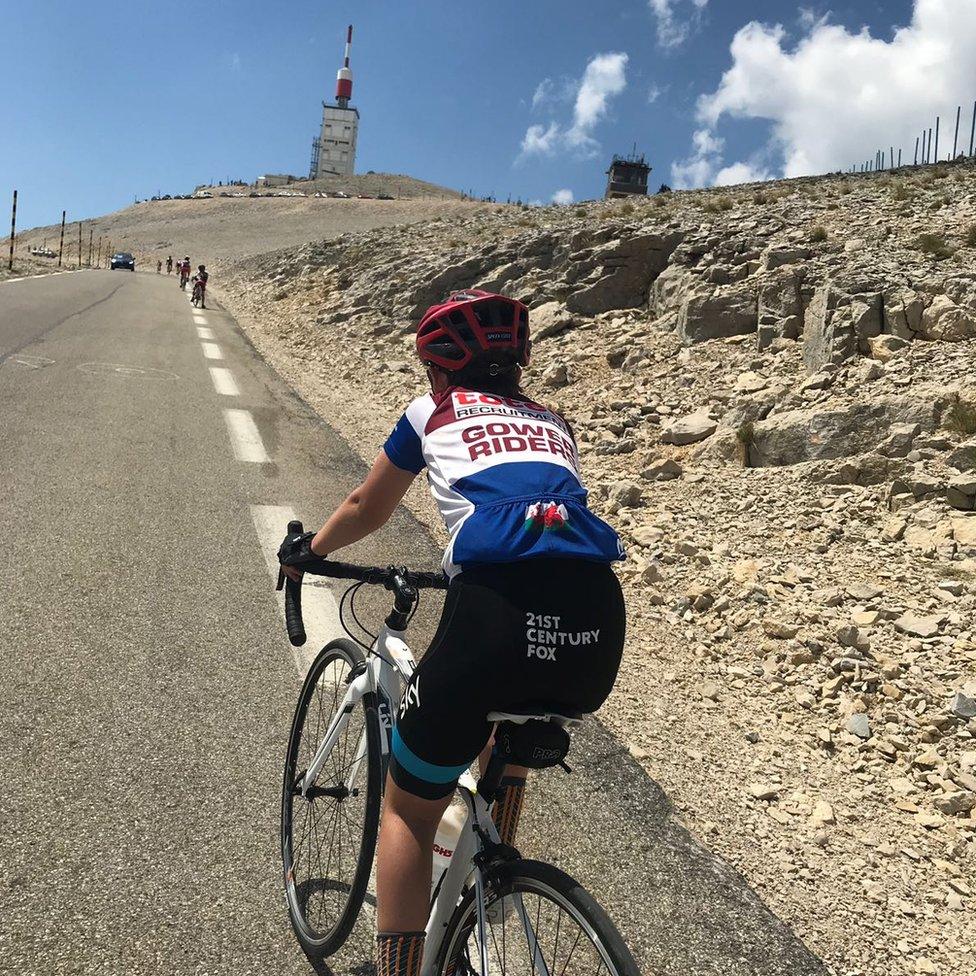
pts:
[91, 235]
[899, 157]
[61, 248]
[937, 120]
[891, 157]
[972, 131]
[98, 260]
[916, 152]
[79, 244]
[955, 138]
[13, 232]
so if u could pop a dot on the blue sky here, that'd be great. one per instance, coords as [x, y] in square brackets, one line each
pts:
[520, 97]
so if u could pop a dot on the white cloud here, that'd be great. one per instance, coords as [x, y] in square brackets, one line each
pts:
[543, 92]
[672, 29]
[540, 139]
[563, 197]
[837, 96]
[741, 173]
[704, 167]
[654, 93]
[605, 76]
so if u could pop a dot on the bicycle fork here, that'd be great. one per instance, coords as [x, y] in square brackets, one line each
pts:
[359, 687]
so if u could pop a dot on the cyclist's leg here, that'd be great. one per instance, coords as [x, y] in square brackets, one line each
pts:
[440, 731]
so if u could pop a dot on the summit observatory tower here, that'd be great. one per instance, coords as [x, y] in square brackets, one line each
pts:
[334, 151]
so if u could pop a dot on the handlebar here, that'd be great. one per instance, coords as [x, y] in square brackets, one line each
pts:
[403, 582]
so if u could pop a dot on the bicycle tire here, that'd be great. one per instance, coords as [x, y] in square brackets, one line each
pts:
[318, 942]
[526, 877]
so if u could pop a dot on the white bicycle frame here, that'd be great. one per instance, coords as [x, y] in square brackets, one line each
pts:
[389, 667]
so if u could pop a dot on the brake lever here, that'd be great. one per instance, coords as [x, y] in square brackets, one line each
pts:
[281, 579]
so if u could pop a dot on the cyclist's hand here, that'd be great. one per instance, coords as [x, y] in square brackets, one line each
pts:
[295, 552]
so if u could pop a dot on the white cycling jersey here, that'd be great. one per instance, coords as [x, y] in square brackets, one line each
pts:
[504, 472]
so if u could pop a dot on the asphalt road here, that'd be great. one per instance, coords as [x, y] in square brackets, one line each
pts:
[147, 458]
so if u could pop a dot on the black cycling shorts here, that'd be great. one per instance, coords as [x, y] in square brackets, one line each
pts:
[515, 634]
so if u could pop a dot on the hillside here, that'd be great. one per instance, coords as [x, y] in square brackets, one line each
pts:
[222, 230]
[774, 390]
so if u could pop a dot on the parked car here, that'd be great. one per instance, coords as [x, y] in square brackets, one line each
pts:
[123, 260]
[383, 196]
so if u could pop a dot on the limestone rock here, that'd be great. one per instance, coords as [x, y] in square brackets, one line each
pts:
[549, 319]
[946, 320]
[916, 626]
[622, 272]
[961, 492]
[963, 706]
[828, 333]
[727, 311]
[665, 469]
[964, 531]
[689, 430]
[884, 347]
[626, 494]
[963, 457]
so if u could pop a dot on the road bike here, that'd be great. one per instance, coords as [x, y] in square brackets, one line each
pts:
[492, 911]
[199, 293]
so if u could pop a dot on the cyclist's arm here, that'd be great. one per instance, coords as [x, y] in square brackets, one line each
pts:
[366, 509]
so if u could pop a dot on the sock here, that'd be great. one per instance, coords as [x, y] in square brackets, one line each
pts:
[508, 807]
[399, 953]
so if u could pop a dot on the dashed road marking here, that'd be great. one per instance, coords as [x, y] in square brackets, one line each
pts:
[224, 382]
[203, 333]
[244, 437]
[212, 351]
[199, 318]
[319, 608]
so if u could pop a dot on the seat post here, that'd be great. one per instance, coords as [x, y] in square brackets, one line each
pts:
[492, 777]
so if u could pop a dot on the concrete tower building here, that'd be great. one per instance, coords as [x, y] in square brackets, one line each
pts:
[334, 152]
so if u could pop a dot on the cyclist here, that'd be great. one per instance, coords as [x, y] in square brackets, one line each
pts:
[184, 272]
[169, 264]
[201, 278]
[533, 614]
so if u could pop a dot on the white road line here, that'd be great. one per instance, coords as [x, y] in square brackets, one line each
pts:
[244, 437]
[203, 333]
[211, 350]
[199, 318]
[319, 609]
[223, 381]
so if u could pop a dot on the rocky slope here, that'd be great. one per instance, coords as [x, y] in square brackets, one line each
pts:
[775, 396]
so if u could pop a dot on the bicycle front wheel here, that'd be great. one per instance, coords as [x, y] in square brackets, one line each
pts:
[539, 922]
[328, 835]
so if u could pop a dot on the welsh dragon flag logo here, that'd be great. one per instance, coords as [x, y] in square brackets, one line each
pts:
[546, 516]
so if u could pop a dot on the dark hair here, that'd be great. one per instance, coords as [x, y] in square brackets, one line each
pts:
[496, 372]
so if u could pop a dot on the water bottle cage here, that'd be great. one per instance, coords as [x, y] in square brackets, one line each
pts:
[535, 745]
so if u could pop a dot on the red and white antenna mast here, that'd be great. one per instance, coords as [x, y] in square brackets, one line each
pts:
[344, 76]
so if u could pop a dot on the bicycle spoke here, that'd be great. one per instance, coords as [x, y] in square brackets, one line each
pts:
[571, 951]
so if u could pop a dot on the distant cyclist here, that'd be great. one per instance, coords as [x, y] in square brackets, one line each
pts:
[159, 267]
[184, 272]
[534, 613]
[169, 264]
[200, 285]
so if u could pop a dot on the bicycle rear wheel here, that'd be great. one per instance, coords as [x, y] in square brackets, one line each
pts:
[328, 837]
[558, 931]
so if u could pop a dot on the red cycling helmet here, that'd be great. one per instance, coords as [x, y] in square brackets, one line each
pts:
[470, 323]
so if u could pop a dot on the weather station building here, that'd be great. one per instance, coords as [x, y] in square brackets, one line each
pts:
[627, 176]
[334, 151]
